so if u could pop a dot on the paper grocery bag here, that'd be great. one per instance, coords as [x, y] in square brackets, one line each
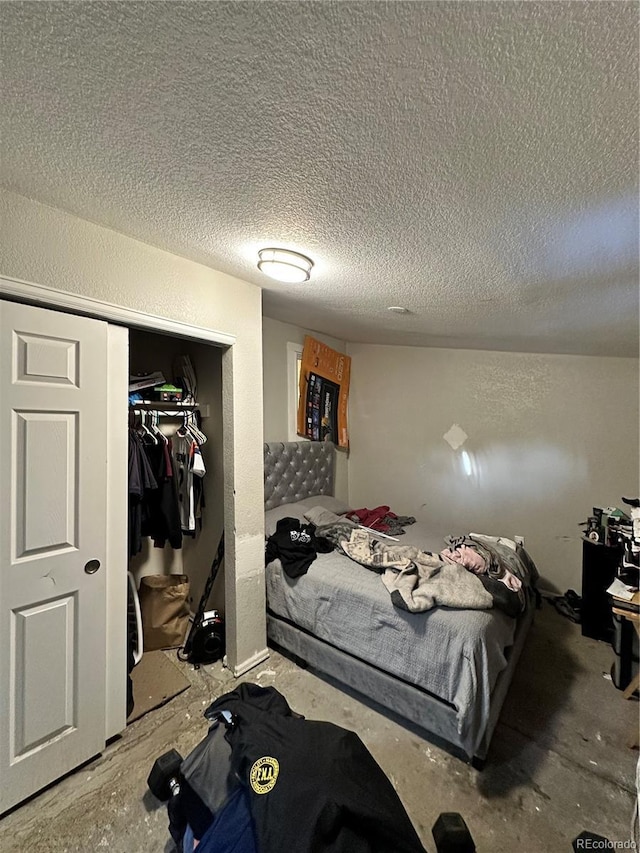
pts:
[165, 610]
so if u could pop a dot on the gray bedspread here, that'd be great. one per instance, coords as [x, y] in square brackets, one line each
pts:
[454, 654]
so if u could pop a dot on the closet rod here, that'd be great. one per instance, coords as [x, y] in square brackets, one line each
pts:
[164, 407]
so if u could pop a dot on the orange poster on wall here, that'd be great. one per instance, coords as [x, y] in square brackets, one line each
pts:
[324, 393]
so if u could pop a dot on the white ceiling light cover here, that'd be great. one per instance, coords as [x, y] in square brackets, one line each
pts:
[284, 265]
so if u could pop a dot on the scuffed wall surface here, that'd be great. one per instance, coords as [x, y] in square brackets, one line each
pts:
[46, 246]
[549, 436]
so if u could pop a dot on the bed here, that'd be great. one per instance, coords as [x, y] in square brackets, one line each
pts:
[446, 671]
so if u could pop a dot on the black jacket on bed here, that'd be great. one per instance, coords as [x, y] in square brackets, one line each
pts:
[311, 786]
[295, 545]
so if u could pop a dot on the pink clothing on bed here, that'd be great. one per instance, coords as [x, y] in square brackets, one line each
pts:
[511, 581]
[467, 557]
[473, 561]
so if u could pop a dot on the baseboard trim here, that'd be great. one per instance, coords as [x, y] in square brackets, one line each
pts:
[248, 664]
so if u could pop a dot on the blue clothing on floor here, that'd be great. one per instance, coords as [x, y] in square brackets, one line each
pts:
[230, 832]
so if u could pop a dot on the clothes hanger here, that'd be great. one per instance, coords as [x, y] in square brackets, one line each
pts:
[155, 427]
[146, 432]
[183, 429]
[196, 432]
[186, 430]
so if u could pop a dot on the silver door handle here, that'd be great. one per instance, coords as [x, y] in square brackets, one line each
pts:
[92, 567]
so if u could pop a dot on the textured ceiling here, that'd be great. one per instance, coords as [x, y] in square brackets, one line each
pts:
[476, 163]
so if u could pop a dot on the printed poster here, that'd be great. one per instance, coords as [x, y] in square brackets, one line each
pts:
[324, 393]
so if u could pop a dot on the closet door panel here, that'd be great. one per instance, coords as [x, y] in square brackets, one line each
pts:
[53, 522]
[45, 453]
[44, 642]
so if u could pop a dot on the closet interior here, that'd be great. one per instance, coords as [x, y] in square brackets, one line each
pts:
[150, 353]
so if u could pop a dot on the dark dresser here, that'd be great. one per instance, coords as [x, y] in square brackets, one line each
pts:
[599, 567]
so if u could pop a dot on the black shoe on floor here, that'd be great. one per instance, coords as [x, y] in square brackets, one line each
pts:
[565, 609]
[573, 599]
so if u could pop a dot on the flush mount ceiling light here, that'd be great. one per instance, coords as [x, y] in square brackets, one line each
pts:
[284, 265]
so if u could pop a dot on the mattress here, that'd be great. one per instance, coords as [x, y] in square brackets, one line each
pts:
[455, 655]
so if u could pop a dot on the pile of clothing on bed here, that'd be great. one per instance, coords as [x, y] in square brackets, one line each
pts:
[474, 571]
[382, 519]
[504, 568]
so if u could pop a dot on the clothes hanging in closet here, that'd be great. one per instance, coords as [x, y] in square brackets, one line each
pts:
[153, 495]
[141, 483]
[189, 470]
[162, 519]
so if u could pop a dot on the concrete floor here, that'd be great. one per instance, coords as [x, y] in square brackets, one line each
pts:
[558, 762]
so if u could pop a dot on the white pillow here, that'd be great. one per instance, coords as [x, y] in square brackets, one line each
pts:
[328, 502]
[319, 516]
[273, 516]
[298, 509]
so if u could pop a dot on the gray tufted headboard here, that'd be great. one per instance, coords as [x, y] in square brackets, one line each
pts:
[296, 470]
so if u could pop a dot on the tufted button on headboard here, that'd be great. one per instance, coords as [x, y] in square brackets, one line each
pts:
[295, 470]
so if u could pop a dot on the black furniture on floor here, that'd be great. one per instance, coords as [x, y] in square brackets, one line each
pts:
[599, 567]
[626, 655]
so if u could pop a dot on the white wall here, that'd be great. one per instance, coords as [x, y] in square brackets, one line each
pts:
[46, 246]
[550, 436]
[275, 336]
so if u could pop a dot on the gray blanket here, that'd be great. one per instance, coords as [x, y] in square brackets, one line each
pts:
[416, 580]
[329, 525]
[453, 654]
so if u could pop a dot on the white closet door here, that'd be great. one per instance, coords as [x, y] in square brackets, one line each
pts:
[52, 545]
